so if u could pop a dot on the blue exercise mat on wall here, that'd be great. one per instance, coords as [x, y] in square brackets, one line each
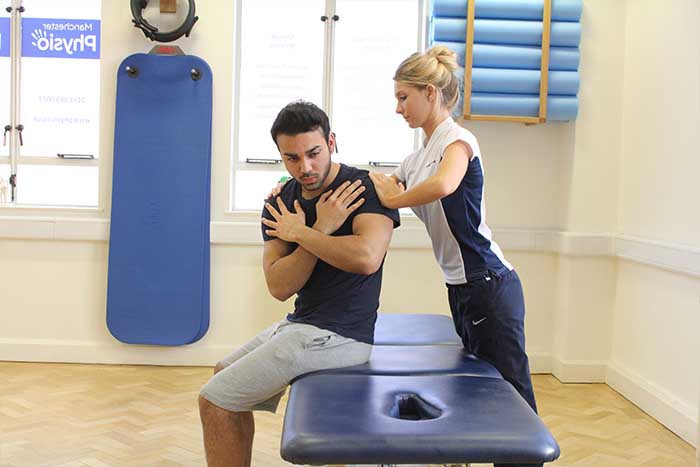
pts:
[159, 249]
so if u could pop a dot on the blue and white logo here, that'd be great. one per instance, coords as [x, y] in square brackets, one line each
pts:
[60, 38]
[4, 37]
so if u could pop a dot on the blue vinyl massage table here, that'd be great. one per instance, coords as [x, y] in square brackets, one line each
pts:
[414, 329]
[424, 403]
[433, 419]
[417, 360]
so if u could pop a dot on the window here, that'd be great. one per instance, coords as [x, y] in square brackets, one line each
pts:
[58, 103]
[288, 55]
[4, 185]
[380, 34]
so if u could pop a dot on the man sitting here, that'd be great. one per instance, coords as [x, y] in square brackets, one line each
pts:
[328, 247]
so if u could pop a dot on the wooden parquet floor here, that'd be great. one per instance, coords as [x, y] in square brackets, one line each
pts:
[65, 415]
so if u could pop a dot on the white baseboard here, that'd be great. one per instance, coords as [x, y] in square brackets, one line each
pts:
[578, 371]
[540, 363]
[567, 371]
[64, 351]
[68, 351]
[676, 415]
[198, 354]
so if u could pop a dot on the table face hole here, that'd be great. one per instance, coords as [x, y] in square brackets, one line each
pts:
[411, 406]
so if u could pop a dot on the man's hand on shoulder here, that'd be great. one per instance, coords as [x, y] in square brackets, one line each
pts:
[286, 224]
[334, 207]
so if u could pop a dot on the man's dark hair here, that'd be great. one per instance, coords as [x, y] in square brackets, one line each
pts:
[300, 117]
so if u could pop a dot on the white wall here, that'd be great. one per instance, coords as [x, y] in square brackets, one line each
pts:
[591, 166]
[53, 307]
[656, 350]
[655, 358]
[65, 320]
[588, 171]
[578, 207]
[661, 117]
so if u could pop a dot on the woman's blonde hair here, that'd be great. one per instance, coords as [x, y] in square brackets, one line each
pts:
[435, 66]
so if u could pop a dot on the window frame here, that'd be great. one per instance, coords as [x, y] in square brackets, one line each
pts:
[236, 165]
[16, 157]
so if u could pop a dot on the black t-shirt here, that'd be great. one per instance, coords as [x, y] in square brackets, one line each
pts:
[333, 299]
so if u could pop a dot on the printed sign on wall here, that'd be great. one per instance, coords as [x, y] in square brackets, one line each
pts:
[60, 38]
[4, 78]
[61, 114]
[4, 37]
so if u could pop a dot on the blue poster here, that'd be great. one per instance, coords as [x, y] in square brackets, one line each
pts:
[60, 38]
[4, 37]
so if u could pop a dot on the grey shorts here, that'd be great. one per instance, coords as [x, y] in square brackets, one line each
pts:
[256, 376]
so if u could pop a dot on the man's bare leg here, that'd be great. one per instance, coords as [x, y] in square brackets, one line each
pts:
[228, 436]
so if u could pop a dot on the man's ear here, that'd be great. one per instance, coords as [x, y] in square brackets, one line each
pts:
[332, 146]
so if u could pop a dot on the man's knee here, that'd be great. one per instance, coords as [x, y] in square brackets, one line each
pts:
[209, 410]
[212, 413]
[205, 407]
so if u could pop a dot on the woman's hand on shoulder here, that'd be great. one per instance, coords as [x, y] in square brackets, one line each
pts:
[277, 189]
[387, 188]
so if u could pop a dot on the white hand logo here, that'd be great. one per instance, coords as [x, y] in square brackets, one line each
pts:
[38, 34]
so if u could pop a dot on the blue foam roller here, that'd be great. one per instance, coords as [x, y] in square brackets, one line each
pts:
[492, 31]
[562, 10]
[516, 57]
[559, 108]
[499, 80]
[159, 255]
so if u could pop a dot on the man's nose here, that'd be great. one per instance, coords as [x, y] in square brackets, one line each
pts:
[305, 165]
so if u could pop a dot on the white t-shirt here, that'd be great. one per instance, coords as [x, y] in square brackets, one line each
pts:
[456, 224]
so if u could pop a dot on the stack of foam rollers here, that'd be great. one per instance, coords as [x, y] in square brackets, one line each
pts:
[507, 53]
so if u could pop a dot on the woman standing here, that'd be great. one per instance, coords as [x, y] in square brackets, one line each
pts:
[443, 182]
